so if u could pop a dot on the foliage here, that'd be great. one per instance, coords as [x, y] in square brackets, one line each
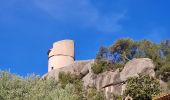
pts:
[69, 87]
[116, 97]
[102, 66]
[68, 78]
[13, 87]
[122, 46]
[142, 87]
[99, 66]
[166, 67]
[123, 50]
[102, 53]
[93, 94]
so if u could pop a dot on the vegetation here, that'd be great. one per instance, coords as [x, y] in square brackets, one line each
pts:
[142, 87]
[13, 87]
[68, 78]
[116, 97]
[69, 87]
[89, 94]
[102, 66]
[123, 50]
[116, 56]
[93, 94]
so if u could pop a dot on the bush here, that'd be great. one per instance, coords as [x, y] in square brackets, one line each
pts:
[99, 66]
[116, 97]
[68, 78]
[102, 66]
[165, 72]
[69, 87]
[93, 94]
[165, 67]
[13, 87]
[142, 87]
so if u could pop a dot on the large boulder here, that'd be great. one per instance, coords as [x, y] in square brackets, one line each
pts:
[138, 66]
[101, 81]
[106, 78]
[78, 68]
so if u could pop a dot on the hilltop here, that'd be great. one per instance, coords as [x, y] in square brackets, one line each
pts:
[139, 69]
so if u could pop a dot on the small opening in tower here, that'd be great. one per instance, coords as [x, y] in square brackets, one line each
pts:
[52, 68]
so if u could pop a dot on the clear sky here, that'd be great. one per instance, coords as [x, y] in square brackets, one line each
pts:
[29, 27]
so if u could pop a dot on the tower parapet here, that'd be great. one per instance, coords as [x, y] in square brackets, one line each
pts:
[62, 54]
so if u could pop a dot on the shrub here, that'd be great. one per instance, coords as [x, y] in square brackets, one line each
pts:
[102, 66]
[68, 78]
[67, 93]
[93, 94]
[165, 72]
[142, 87]
[13, 87]
[165, 67]
[116, 97]
[99, 66]
[69, 87]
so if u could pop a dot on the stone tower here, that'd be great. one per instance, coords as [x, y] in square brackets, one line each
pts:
[62, 54]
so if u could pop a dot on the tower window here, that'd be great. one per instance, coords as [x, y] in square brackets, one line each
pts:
[52, 68]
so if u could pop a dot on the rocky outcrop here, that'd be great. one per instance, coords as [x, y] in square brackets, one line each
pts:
[137, 66]
[110, 81]
[78, 68]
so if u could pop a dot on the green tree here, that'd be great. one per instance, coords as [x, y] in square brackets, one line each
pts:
[100, 55]
[122, 46]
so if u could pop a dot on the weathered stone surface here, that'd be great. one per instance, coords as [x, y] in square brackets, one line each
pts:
[108, 78]
[102, 81]
[74, 68]
[136, 66]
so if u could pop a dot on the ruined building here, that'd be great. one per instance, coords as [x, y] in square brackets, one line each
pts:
[62, 54]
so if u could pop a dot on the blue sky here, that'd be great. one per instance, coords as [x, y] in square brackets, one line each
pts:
[29, 27]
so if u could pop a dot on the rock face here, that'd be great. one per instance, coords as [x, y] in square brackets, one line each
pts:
[76, 68]
[111, 82]
[136, 66]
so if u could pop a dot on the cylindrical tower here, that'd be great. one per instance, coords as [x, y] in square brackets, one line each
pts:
[62, 54]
